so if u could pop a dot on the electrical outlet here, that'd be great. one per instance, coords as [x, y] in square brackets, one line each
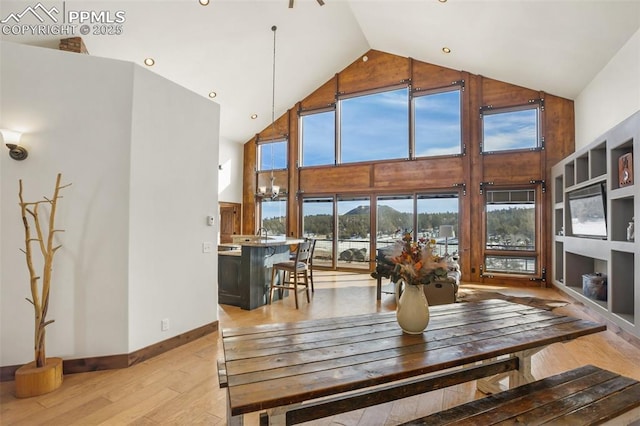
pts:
[164, 324]
[207, 247]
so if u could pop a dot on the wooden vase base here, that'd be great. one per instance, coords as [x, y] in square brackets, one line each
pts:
[34, 381]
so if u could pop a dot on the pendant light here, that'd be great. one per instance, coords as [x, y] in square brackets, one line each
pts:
[274, 190]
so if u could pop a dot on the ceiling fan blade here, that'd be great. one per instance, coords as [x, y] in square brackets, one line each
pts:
[320, 2]
[290, 4]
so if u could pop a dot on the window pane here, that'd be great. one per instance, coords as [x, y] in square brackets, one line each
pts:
[510, 264]
[375, 127]
[437, 124]
[274, 216]
[273, 155]
[394, 216]
[318, 138]
[510, 130]
[435, 210]
[353, 232]
[317, 223]
[511, 220]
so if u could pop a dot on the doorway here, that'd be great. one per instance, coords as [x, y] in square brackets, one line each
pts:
[230, 221]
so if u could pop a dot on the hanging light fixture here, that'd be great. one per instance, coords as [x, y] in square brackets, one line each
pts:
[273, 190]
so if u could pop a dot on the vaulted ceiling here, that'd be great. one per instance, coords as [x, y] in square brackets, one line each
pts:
[226, 47]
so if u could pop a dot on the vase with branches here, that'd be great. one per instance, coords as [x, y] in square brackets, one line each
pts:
[39, 237]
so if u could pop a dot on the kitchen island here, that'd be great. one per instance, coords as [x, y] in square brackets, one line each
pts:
[244, 268]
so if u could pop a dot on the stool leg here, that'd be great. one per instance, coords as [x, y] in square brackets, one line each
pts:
[306, 284]
[295, 287]
[273, 282]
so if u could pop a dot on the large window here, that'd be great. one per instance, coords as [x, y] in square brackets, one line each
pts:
[437, 123]
[394, 216]
[510, 240]
[434, 210]
[375, 127]
[318, 132]
[272, 155]
[273, 216]
[421, 214]
[510, 128]
[318, 223]
[354, 231]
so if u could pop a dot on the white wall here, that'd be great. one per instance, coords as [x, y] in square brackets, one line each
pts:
[77, 111]
[612, 96]
[230, 177]
[174, 157]
[81, 129]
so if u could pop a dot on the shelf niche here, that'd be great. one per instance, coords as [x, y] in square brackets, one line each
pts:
[579, 265]
[616, 153]
[622, 212]
[623, 294]
[559, 261]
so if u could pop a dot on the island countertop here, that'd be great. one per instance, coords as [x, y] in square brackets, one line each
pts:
[258, 241]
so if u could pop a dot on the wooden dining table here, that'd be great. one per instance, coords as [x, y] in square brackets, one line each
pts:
[310, 369]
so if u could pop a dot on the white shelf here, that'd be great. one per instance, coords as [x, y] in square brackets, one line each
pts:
[614, 256]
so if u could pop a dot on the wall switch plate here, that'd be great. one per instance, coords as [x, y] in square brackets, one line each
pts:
[164, 324]
[207, 247]
[210, 220]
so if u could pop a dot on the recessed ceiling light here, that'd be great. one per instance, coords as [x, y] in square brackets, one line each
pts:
[149, 62]
[365, 58]
[446, 50]
[203, 2]
[254, 116]
[212, 95]
[442, 1]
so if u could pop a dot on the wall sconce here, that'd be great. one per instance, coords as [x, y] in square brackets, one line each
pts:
[11, 140]
[446, 231]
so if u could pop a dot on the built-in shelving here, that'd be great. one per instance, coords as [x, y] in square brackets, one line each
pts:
[615, 256]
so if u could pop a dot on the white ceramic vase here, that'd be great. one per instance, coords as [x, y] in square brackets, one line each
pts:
[412, 309]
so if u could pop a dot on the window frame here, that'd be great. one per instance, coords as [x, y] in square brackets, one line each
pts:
[538, 251]
[260, 217]
[339, 121]
[264, 142]
[533, 104]
[305, 113]
[418, 93]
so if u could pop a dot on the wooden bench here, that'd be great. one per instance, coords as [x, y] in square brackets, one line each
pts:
[585, 396]
[381, 394]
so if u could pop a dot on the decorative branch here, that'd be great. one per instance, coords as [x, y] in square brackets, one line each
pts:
[40, 296]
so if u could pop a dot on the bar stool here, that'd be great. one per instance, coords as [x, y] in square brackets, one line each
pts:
[293, 271]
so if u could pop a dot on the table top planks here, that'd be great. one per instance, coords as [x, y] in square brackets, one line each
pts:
[273, 365]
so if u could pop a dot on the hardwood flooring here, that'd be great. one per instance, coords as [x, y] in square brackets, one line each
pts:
[180, 387]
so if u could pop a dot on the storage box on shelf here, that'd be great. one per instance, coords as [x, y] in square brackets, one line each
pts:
[614, 254]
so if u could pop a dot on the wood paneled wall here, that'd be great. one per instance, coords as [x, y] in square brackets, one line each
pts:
[472, 168]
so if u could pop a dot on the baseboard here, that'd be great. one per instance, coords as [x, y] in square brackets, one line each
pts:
[611, 326]
[111, 362]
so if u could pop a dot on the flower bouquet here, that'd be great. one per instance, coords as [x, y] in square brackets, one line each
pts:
[415, 262]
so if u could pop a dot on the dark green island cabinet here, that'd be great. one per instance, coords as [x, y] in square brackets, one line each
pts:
[244, 273]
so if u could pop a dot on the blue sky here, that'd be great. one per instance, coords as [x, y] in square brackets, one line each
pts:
[510, 130]
[376, 127]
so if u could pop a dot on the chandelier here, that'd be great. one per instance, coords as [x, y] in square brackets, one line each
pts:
[320, 2]
[273, 190]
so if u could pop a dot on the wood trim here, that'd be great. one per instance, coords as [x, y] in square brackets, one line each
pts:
[112, 362]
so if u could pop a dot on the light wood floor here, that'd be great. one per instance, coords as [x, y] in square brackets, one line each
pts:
[181, 387]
